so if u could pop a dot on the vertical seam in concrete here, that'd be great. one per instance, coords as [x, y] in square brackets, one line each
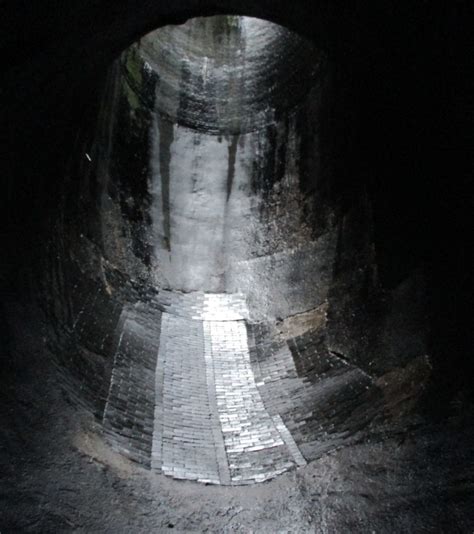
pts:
[221, 455]
[157, 443]
[290, 442]
[113, 375]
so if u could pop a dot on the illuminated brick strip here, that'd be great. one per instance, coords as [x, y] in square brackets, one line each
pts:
[186, 402]
[254, 446]
[187, 422]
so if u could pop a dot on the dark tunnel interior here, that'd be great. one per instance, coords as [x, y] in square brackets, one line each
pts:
[236, 277]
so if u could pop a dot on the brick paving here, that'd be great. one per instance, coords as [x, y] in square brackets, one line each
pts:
[184, 400]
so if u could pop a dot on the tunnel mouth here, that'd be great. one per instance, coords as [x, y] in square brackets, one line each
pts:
[204, 271]
[225, 74]
[209, 257]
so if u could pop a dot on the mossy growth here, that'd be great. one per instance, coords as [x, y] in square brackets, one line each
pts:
[133, 65]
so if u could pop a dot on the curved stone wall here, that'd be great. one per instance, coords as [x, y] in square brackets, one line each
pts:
[215, 260]
[228, 75]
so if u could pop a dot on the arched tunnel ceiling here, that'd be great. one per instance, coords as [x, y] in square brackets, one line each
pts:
[358, 31]
[228, 367]
[353, 28]
[226, 74]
